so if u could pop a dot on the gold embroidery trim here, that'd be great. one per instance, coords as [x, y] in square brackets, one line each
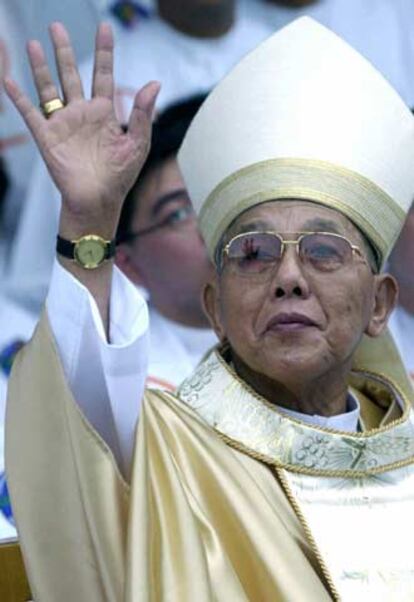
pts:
[365, 434]
[345, 436]
[308, 533]
[315, 472]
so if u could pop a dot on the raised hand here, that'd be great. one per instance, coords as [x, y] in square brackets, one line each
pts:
[91, 160]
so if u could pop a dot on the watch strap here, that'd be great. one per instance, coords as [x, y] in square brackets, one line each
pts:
[65, 247]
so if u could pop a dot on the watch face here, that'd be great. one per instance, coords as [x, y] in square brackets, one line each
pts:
[90, 252]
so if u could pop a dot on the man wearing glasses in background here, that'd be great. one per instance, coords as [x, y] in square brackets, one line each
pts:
[401, 265]
[160, 249]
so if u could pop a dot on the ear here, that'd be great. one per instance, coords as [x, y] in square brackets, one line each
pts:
[125, 262]
[385, 299]
[211, 305]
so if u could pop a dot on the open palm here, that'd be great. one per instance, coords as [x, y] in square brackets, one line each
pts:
[92, 161]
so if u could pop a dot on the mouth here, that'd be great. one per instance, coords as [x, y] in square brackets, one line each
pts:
[290, 322]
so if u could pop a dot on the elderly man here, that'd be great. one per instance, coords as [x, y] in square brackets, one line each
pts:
[283, 468]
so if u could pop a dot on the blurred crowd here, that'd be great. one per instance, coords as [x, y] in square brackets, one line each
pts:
[188, 46]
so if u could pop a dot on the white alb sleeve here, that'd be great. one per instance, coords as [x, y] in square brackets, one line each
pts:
[107, 379]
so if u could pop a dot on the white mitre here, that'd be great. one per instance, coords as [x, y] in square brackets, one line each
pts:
[303, 116]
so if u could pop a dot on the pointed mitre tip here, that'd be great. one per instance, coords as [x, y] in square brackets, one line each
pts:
[304, 26]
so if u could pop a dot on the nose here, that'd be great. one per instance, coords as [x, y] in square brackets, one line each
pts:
[289, 279]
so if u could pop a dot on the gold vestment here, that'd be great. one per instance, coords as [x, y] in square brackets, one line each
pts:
[217, 508]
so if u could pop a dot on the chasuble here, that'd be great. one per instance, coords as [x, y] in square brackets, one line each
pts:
[228, 500]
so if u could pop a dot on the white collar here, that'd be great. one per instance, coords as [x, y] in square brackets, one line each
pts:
[348, 421]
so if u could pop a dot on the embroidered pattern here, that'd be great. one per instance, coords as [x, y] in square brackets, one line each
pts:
[216, 393]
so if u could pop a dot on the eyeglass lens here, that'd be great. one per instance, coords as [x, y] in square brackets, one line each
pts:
[256, 252]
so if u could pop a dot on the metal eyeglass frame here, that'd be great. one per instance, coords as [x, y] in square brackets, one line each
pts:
[296, 242]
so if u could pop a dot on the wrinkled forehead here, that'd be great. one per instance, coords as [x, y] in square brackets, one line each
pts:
[292, 215]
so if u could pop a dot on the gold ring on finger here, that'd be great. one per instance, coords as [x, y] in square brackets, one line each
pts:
[51, 106]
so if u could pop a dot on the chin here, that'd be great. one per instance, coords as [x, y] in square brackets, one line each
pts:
[299, 344]
[294, 364]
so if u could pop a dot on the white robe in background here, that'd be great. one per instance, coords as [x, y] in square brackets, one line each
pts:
[402, 328]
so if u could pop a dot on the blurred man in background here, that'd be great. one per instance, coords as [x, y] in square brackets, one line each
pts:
[401, 265]
[160, 249]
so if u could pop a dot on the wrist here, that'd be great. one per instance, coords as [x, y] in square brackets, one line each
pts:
[103, 223]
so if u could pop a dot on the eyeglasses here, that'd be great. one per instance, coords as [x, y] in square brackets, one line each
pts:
[174, 218]
[259, 252]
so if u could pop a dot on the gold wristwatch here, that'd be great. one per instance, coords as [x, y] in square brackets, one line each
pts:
[89, 251]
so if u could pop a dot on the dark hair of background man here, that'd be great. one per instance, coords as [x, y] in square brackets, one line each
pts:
[168, 133]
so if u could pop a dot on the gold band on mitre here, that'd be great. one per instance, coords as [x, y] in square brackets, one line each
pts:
[51, 106]
[371, 209]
